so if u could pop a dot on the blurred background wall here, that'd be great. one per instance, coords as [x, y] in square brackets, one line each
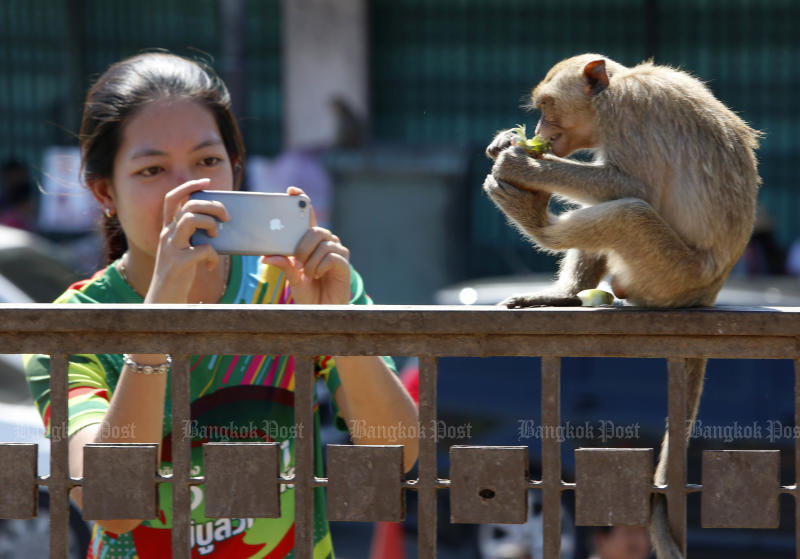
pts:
[413, 91]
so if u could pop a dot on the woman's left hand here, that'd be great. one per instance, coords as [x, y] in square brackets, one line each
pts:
[319, 271]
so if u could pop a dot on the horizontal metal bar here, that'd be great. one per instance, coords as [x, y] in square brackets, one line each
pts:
[412, 484]
[396, 319]
[722, 347]
[441, 483]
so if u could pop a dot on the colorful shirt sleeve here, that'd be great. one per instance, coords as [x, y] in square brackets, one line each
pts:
[88, 397]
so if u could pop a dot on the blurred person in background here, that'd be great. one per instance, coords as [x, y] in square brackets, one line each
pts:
[17, 196]
[157, 127]
[305, 165]
[620, 542]
[763, 255]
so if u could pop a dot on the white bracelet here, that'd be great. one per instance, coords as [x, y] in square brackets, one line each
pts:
[147, 369]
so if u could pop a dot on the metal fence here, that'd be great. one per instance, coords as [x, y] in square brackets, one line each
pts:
[486, 485]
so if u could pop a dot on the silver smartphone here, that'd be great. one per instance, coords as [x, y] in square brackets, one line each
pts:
[260, 223]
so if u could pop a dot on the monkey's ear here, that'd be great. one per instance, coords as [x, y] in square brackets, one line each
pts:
[596, 77]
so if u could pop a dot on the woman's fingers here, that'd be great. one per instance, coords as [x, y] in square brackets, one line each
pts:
[188, 215]
[188, 222]
[204, 253]
[310, 241]
[178, 196]
[209, 207]
[332, 263]
[295, 191]
[313, 266]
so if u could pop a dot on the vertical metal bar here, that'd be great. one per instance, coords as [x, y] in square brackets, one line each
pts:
[58, 485]
[676, 460]
[426, 488]
[304, 457]
[551, 457]
[181, 458]
[797, 457]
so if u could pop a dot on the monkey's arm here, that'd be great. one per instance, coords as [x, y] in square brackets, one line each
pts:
[578, 271]
[589, 183]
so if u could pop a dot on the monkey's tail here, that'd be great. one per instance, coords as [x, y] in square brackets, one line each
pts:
[664, 543]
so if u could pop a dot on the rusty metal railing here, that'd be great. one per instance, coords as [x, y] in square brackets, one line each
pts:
[488, 484]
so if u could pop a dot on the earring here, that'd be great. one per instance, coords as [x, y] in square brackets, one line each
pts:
[109, 212]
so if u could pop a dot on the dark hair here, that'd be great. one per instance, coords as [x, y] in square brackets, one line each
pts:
[129, 85]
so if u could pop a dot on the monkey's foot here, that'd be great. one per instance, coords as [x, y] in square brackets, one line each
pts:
[542, 299]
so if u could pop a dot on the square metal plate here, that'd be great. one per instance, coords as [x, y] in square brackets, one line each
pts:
[242, 480]
[488, 484]
[613, 486]
[119, 481]
[365, 483]
[740, 489]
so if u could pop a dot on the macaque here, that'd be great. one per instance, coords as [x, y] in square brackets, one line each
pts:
[664, 209]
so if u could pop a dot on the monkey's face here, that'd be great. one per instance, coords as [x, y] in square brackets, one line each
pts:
[567, 131]
[564, 98]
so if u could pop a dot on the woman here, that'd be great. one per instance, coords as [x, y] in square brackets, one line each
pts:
[157, 127]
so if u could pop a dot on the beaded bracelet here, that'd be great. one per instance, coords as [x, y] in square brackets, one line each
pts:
[147, 369]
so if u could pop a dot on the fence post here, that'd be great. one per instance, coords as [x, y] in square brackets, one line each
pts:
[426, 488]
[181, 458]
[676, 464]
[304, 457]
[59, 483]
[797, 455]
[551, 457]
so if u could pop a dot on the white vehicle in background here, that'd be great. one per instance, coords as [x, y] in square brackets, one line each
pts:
[29, 273]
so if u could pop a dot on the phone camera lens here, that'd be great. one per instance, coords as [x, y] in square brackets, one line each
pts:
[302, 203]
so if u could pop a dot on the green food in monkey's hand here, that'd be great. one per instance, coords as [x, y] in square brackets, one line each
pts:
[595, 298]
[536, 146]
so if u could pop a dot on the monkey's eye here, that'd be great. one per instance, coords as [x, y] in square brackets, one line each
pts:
[549, 123]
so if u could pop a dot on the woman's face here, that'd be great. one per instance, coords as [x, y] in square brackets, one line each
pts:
[164, 145]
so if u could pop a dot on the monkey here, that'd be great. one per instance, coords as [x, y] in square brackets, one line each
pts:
[665, 207]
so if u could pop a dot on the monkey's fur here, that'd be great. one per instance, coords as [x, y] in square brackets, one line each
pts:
[665, 208]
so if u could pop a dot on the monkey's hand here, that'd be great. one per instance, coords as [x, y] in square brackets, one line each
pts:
[552, 297]
[527, 208]
[515, 166]
[504, 139]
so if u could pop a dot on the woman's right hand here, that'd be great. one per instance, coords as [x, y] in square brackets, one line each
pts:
[177, 260]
